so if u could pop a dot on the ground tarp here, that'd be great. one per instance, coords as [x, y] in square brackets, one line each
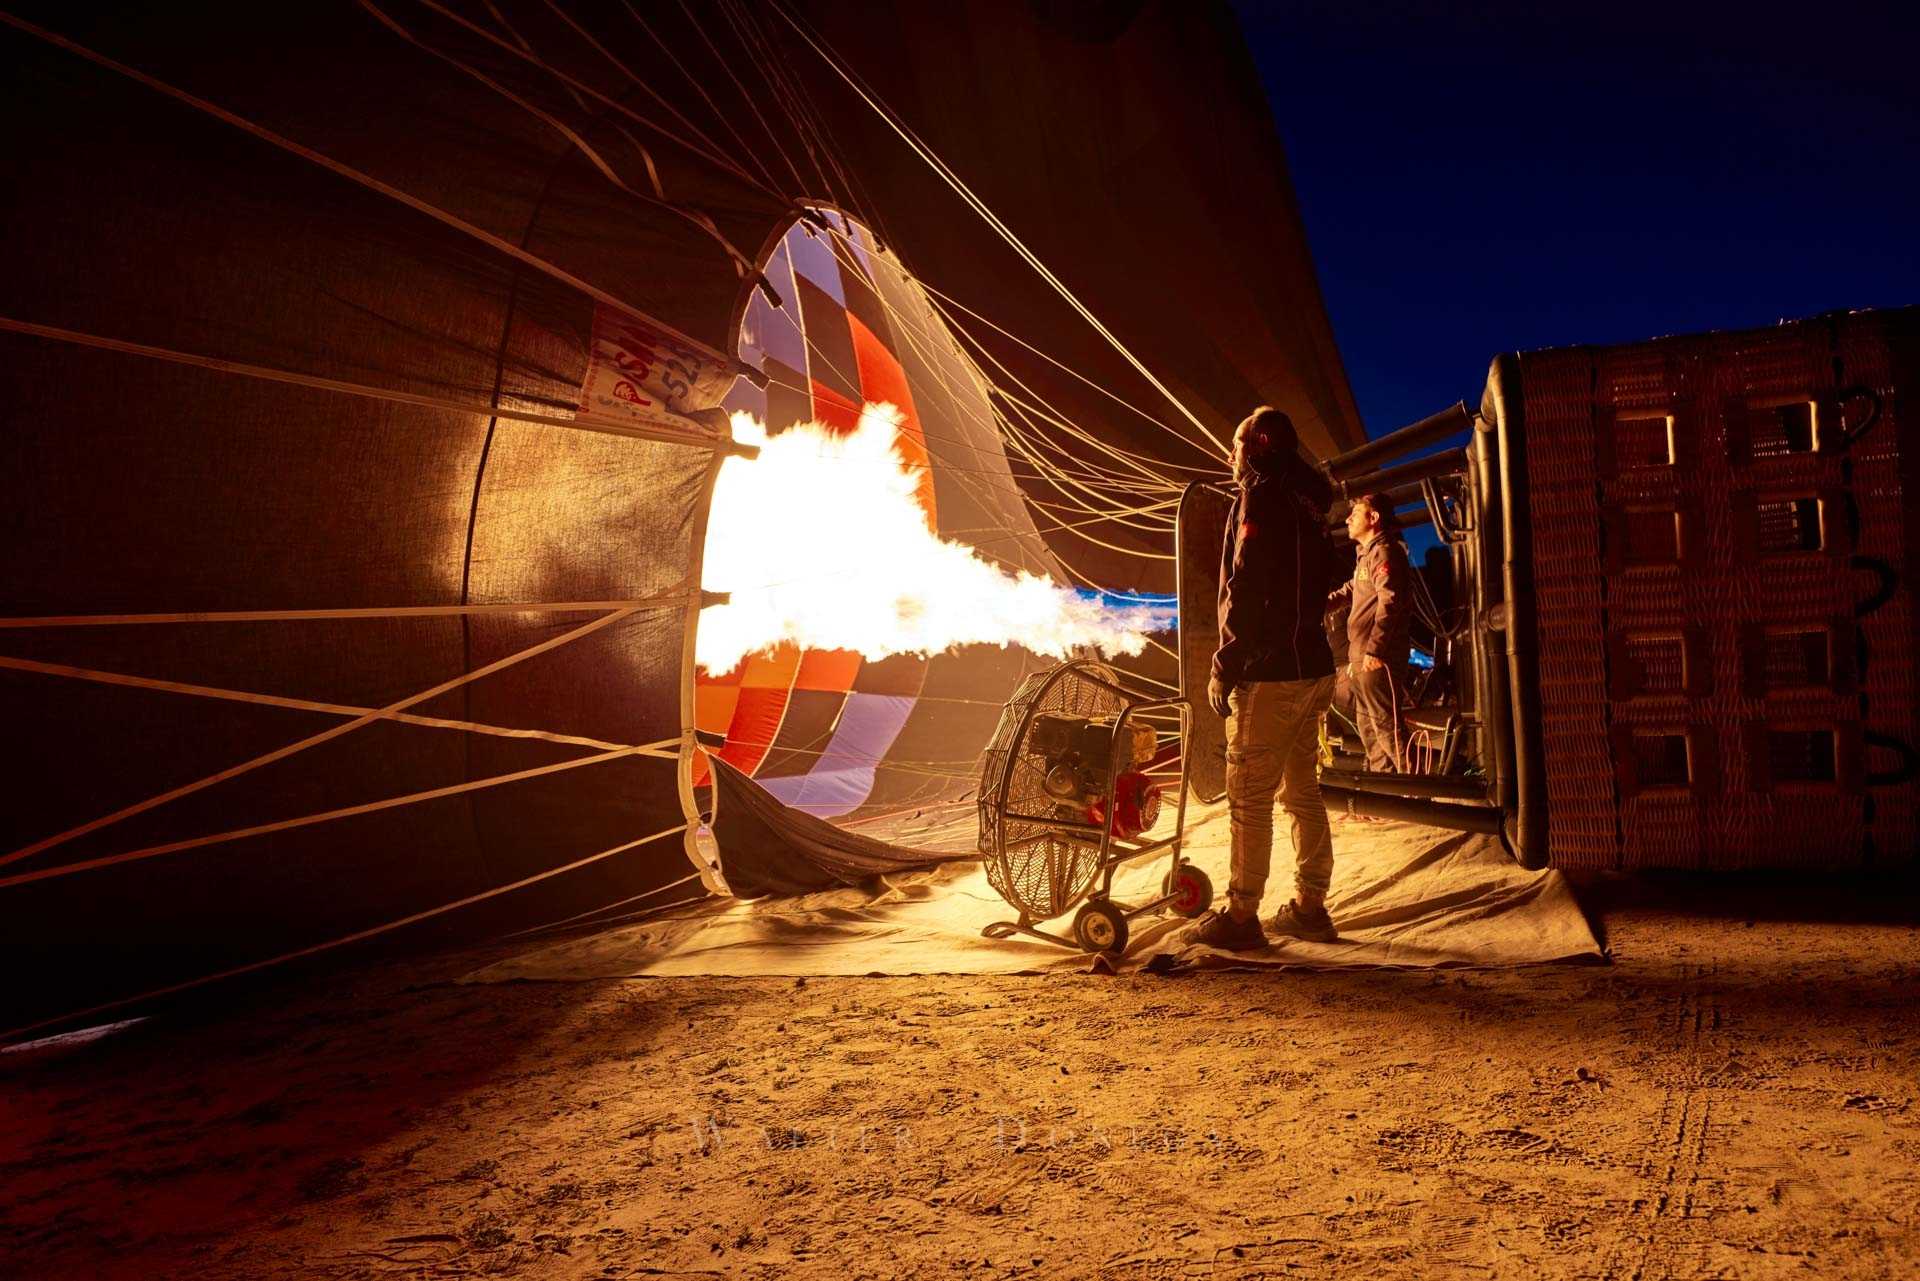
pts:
[1403, 896]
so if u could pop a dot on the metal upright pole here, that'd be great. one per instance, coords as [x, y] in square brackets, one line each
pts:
[1428, 431]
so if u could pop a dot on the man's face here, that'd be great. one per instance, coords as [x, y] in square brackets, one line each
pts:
[1360, 522]
[1240, 468]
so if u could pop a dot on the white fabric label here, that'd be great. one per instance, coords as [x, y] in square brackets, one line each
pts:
[635, 372]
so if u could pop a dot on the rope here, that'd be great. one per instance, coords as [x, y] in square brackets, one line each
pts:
[946, 468]
[324, 736]
[742, 266]
[808, 117]
[369, 181]
[1065, 485]
[595, 911]
[770, 73]
[527, 56]
[974, 202]
[501, 18]
[667, 430]
[349, 811]
[930, 349]
[1046, 471]
[1011, 435]
[291, 704]
[699, 87]
[933, 293]
[1036, 437]
[1112, 512]
[714, 147]
[1029, 439]
[1118, 515]
[851, 378]
[1027, 442]
[357, 937]
[307, 615]
[951, 301]
[752, 99]
[1008, 486]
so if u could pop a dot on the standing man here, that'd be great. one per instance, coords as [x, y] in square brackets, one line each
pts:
[1272, 679]
[1378, 611]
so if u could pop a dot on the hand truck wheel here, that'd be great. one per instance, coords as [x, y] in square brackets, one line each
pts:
[1191, 889]
[1099, 926]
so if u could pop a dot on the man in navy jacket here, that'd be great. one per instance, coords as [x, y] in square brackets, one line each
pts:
[1272, 679]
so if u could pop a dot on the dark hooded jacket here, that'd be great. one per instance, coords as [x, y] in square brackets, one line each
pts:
[1378, 606]
[1274, 568]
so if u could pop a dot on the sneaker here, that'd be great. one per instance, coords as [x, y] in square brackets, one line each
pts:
[1218, 929]
[1310, 923]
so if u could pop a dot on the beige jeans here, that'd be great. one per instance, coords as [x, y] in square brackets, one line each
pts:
[1367, 698]
[1272, 740]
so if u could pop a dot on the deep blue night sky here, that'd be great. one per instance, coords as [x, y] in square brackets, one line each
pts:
[1524, 176]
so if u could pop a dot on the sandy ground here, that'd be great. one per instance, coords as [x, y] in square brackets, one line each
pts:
[1735, 1097]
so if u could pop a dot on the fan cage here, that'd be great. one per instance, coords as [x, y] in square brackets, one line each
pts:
[1037, 866]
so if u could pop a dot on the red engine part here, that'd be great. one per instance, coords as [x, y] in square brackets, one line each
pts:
[1136, 805]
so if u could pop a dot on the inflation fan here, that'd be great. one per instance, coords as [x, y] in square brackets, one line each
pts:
[1066, 799]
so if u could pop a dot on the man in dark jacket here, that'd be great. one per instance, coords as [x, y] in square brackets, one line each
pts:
[1272, 678]
[1378, 611]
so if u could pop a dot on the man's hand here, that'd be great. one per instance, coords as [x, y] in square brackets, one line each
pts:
[1217, 692]
[1369, 663]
